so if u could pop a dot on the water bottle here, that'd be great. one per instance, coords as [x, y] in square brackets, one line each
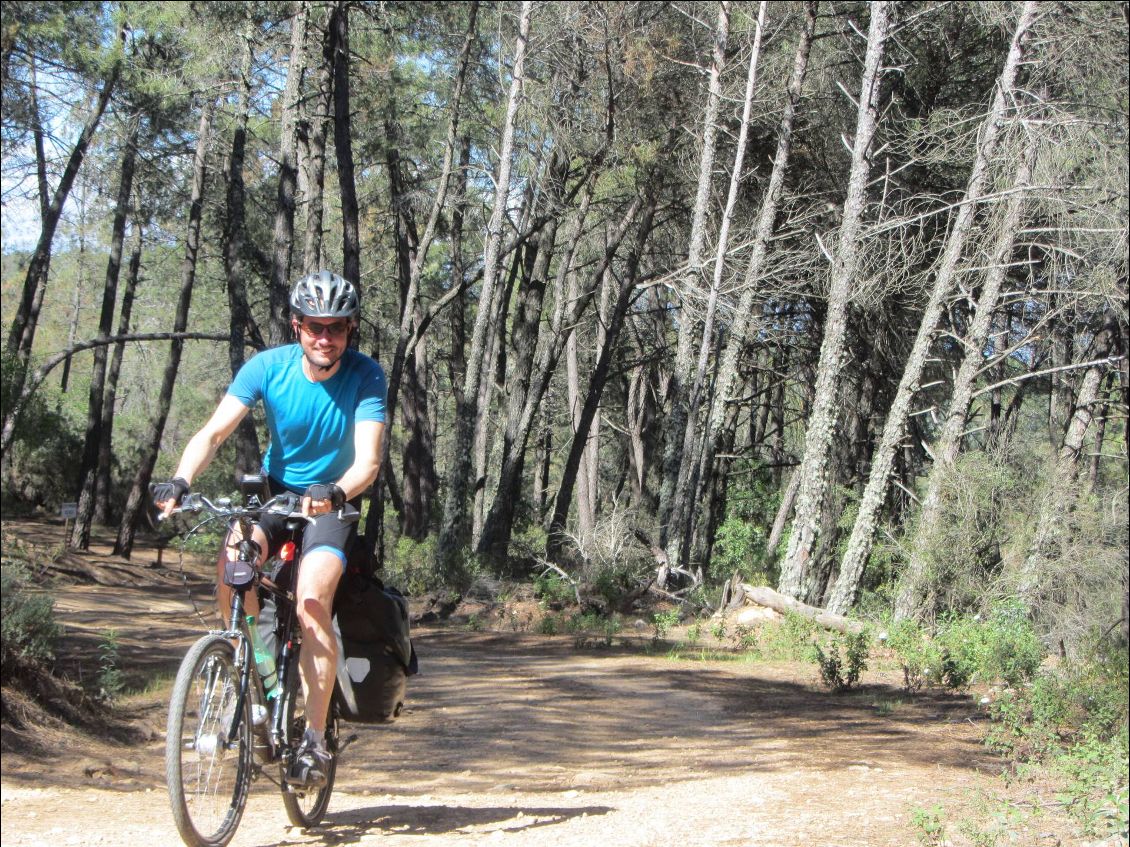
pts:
[260, 740]
[264, 661]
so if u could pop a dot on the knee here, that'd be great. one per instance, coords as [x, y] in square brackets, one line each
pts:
[313, 613]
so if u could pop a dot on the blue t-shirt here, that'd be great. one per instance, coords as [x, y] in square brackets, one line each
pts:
[310, 423]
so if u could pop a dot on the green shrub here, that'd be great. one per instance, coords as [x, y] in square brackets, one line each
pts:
[27, 622]
[739, 545]
[789, 641]
[45, 456]
[1074, 720]
[694, 633]
[843, 659]
[552, 590]
[919, 656]
[1003, 646]
[411, 566]
[549, 625]
[663, 621]
[111, 681]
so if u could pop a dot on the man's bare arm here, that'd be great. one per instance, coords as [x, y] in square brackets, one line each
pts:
[202, 447]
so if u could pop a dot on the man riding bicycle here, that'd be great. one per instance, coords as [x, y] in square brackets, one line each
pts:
[325, 408]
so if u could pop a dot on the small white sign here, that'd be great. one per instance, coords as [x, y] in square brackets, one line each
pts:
[68, 511]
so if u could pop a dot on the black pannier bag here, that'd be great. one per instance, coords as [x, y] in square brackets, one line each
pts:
[374, 652]
[375, 655]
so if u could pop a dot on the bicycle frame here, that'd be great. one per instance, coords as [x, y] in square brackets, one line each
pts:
[252, 578]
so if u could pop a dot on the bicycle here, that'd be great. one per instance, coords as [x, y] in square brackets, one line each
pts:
[215, 748]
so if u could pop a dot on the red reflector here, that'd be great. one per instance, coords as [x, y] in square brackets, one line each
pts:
[286, 552]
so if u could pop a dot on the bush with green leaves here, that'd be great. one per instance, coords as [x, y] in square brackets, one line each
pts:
[45, 457]
[411, 566]
[27, 621]
[111, 680]
[919, 656]
[843, 659]
[1001, 645]
[663, 621]
[1074, 720]
[552, 590]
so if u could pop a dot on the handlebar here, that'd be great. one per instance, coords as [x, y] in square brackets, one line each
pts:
[287, 505]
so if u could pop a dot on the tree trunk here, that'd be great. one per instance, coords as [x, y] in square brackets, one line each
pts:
[1104, 408]
[283, 242]
[92, 445]
[22, 332]
[763, 596]
[103, 483]
[1060, 500]
[453, 533]
[311, 133]
[689, 283]
[496, 530]
[343, 146]
[739, 328]
[567, 311]
[240, 320]
[795, 579]
[597, 381]
[123, 546]
[693, 461]
[948, 446]
[859, 547]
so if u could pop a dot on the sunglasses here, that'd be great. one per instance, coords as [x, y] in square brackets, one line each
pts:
[334, 330]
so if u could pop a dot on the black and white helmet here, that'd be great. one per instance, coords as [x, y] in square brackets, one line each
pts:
[325, 295]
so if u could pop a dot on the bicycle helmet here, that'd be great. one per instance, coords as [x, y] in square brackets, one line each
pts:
[325, 295]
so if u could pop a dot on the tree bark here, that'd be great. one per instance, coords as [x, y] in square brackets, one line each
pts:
[764, 596]
[862, 535]
[948, 446]
[412, 251]
[123, 546]
[454, 531]
[103, 483]
[1064, 493]
[795, 580]
[240, 320]
[596, 385]
[568, 309]
[679, 387]
[283, 241]
[343, 146]
[693, 461]
[739, 328]
[92, 445]
[311, 133]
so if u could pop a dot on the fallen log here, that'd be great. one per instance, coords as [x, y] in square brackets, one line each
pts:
[764, 596]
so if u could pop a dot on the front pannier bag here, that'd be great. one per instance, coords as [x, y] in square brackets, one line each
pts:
[375, 654]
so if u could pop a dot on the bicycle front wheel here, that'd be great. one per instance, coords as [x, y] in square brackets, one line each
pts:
[208, 776]
[305, 806]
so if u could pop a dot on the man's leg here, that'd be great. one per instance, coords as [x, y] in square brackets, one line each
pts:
[318, 577]
[230, 552]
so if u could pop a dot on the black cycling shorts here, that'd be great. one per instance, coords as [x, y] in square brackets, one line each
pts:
[327, 532]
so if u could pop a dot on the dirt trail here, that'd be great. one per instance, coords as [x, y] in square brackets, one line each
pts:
[520, 739]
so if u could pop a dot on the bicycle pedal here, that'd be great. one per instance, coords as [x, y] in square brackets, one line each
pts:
[345, 742]
[302, 776]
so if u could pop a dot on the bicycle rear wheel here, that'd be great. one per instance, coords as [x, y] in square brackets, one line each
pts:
[208, 777]
[305, 806]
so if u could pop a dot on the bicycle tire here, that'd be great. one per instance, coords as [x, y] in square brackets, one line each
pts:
[304, 807]
[207, 781]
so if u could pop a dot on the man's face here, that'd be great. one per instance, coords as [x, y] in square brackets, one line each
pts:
[323, 340]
